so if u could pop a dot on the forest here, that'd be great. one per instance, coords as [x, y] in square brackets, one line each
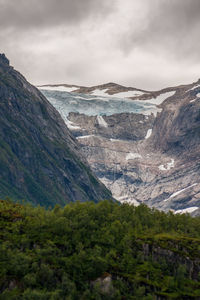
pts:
[97, 251]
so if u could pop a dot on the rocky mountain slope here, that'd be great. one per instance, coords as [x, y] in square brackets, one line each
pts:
[40, 159]
[145, 146]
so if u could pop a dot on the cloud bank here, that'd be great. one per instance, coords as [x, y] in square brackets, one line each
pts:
[149, 44]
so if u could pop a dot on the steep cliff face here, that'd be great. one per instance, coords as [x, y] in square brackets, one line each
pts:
[177, 128]
[148, 150]
[39, 158]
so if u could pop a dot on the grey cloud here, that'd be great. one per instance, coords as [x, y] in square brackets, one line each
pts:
[172, 27]
[158, 39]
[26, 14]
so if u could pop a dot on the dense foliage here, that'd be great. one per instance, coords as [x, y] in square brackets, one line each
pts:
[134, 252]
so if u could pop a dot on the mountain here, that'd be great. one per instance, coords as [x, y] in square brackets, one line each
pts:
[143, 145]
[110, 88]
[40, 160]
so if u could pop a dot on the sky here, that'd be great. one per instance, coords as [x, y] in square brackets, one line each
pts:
[148, 44]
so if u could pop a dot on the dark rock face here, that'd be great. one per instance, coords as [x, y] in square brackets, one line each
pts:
[39, 158]
[177, 128]
[174, 258]
[4, 60]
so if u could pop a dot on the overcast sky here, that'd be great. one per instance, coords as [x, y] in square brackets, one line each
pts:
[148, 44]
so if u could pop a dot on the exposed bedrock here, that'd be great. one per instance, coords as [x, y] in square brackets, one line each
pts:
[151, 156]
[148, 159]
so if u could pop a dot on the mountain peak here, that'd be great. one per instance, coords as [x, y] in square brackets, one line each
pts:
[3, 59]
[110, 84]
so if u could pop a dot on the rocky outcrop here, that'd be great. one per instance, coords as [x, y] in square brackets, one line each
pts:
[4, 60]
[104, 284]
[40, 159]
[176, 256]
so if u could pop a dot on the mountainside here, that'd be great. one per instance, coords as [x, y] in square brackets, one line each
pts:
[144, 145]
[40, 160]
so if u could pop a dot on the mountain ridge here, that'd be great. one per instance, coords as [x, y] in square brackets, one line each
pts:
[117, 87]
[111, 87]
[40, 159]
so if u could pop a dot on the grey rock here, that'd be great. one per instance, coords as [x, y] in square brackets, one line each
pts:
[104, 284]
[162, 171]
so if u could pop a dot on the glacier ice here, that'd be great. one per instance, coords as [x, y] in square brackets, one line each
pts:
[66, 102]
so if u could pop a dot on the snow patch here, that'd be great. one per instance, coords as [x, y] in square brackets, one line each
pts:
[59, 88]
[168, 167]
[133, 156]
[186, 210]
[160, 99]
[198, 96]
[151, 110]
[127, 94]
[84, 136]
[178, 192]
[99, 92]
[194, 87]
[101, 121]
[149, 132]
[115, 140]
[71, 125]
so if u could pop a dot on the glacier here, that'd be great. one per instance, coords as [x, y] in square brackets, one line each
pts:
[91, 105]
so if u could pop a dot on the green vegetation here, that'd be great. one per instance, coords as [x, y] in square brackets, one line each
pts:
[59, 253]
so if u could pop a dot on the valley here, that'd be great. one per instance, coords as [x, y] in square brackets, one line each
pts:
[144, 146]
